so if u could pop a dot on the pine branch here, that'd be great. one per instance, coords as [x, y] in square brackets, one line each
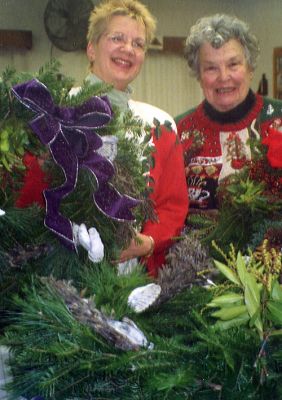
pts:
[85, 312]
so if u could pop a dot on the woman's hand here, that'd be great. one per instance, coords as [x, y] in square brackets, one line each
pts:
[140, 246]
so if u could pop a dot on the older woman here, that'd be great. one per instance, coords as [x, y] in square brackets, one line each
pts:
[217, 135]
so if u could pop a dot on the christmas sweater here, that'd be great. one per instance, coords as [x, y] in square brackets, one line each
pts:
[218, 144]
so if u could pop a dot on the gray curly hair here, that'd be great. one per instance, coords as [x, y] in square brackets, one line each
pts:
[217, 30]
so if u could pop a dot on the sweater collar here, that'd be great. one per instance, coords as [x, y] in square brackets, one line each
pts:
[234, 115]
[117, 98]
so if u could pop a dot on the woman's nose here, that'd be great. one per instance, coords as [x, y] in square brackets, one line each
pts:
[128, 46]
[223, 73]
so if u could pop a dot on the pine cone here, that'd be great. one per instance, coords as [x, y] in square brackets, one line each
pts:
[184, 263]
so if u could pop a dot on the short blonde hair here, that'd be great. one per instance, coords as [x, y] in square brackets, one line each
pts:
[102, 14]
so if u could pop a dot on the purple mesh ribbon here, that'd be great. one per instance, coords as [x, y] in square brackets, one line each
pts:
[69, 134]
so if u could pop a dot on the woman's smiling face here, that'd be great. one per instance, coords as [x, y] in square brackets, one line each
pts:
[120, 52]
[225, 75]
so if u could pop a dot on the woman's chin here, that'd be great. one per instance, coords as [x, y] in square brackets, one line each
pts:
[225, 107]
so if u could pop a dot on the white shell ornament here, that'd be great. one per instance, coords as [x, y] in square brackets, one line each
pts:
[96, 251]
[109, 147]
[127, 267]
[143, 297]
[90, 240]
[83, 237]
[130, 330]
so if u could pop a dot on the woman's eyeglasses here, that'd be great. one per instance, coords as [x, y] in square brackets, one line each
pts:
[137, 44]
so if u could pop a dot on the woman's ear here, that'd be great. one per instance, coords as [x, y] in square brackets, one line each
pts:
[90, 51]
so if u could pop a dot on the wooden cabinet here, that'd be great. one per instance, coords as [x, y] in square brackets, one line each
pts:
[277, 72]
[15, 39]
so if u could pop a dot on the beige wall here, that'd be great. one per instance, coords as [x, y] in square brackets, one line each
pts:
[164, 80]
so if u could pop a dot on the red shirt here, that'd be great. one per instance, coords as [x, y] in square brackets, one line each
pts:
[170, 197]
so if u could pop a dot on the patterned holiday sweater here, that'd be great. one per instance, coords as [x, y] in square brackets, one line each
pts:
[218, 144]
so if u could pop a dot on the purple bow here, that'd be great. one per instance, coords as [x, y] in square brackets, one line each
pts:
[69, 134]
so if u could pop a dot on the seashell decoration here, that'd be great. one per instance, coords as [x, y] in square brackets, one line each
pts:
[128, 329]
[90, 240]
[143, 297]
[109, 147]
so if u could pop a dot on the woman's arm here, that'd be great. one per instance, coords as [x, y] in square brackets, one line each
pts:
[170, 199]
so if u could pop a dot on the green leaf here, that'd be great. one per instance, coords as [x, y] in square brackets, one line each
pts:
[156, 122]
[147, 138]
[229, 360]
[168, 125]
[254, 318]
[158, 132]
[241, 268]
[275, 311]
[276, 293]
[276, 332]
[234, 322]
[230, 312]
[226, 300]
[252, 300]
[252, 294]
[231, 275]
[5, 163]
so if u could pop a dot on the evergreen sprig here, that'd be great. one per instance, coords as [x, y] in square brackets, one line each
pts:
[57, 357]
[244, 208]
